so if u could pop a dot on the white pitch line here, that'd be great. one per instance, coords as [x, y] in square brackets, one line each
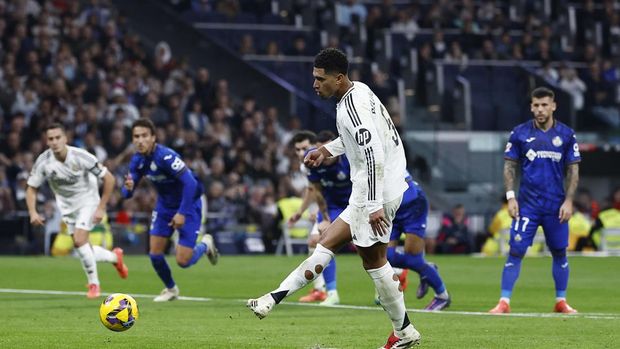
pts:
[75, 293]
[596, 316]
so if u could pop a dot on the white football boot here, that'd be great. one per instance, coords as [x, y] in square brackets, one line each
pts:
[404, 339]
[167, 294]
[332, 298]
[212, 253]
[261, 306]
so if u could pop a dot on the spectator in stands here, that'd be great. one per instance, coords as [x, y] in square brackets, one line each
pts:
[196, 119]
[571, 83]
[246, 46]
[548, 72]
[7, 204]
[299, 47]
[488, 50]
[405, 24]
[585, 203]
[607, 219]
[456, 55]
[348, 13]
[600, 98]
[440, 48]
[503, 46]
[273, 49]
[454, 236]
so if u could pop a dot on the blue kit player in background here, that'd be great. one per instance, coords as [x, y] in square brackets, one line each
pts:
[410, 219]
[178, 206]
[547, 152]
[330, 185]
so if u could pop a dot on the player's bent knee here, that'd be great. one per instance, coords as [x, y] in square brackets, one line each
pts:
[558, 253]
[517, 252]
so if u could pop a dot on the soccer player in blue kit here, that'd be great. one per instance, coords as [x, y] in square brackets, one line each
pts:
[548, 154]
[178, 206]
[410, 219]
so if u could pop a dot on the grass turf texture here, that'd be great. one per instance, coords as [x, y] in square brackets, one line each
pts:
[71, 321]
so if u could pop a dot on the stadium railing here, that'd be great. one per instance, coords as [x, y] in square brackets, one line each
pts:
[286, 241]
[610, 241]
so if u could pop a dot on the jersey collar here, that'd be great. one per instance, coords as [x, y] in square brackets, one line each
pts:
[346, 94]
[555, 122]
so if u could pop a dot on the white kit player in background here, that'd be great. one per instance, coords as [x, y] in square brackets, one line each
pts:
[73, 175]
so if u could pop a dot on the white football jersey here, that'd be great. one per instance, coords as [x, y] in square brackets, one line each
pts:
[371, 143]
[74, 181]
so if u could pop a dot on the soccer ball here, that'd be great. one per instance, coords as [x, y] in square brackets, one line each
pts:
[118, 312]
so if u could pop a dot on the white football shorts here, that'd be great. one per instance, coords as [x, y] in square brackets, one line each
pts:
[82, 218]
[361, 231]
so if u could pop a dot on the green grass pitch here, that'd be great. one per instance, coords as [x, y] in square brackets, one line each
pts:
[37, 320]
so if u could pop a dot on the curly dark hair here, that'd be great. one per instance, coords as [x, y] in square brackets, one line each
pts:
[332, 60]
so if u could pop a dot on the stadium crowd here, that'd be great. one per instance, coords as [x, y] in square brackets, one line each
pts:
[79, 64]
[461, 31]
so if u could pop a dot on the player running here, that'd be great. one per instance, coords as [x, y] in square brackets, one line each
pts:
[73, 175]
[545, 149]
[178, 207]
[411, 220]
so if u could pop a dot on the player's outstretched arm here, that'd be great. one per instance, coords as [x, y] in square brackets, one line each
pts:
[571, 182]
[31, 202]
[108, 187]
[510, 175]
[308, 198]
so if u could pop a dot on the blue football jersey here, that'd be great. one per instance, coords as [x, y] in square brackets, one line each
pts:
[163, 167]
[335, 181]
[543, 156]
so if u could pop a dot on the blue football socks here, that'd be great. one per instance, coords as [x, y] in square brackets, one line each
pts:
[162, 269]
[329, 274]
[199, 251]
[417, 263]
[512, 268]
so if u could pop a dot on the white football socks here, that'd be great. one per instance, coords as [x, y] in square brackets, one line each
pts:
[88, 263]
[103, 255]
[307, 271]
[392, 300]
[319, 282]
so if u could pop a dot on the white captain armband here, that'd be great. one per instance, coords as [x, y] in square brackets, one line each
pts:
[510, 194]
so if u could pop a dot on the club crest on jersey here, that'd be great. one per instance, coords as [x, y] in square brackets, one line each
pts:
[530, 155]
[153, 166]
[363, 136]
[341, 176]
[557, 141]
[518, 238]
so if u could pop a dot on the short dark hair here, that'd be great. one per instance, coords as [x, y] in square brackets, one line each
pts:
[542, 92]
[325, 136]
[302, 136]
[332, 60]
[144, 122]
[55, 125]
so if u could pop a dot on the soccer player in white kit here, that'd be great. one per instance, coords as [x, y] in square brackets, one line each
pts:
[72, 174]
[371, 143]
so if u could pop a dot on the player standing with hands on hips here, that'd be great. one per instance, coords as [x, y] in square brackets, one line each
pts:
[548, 154]
[178, 206]
[73, 175]
[370, 141]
